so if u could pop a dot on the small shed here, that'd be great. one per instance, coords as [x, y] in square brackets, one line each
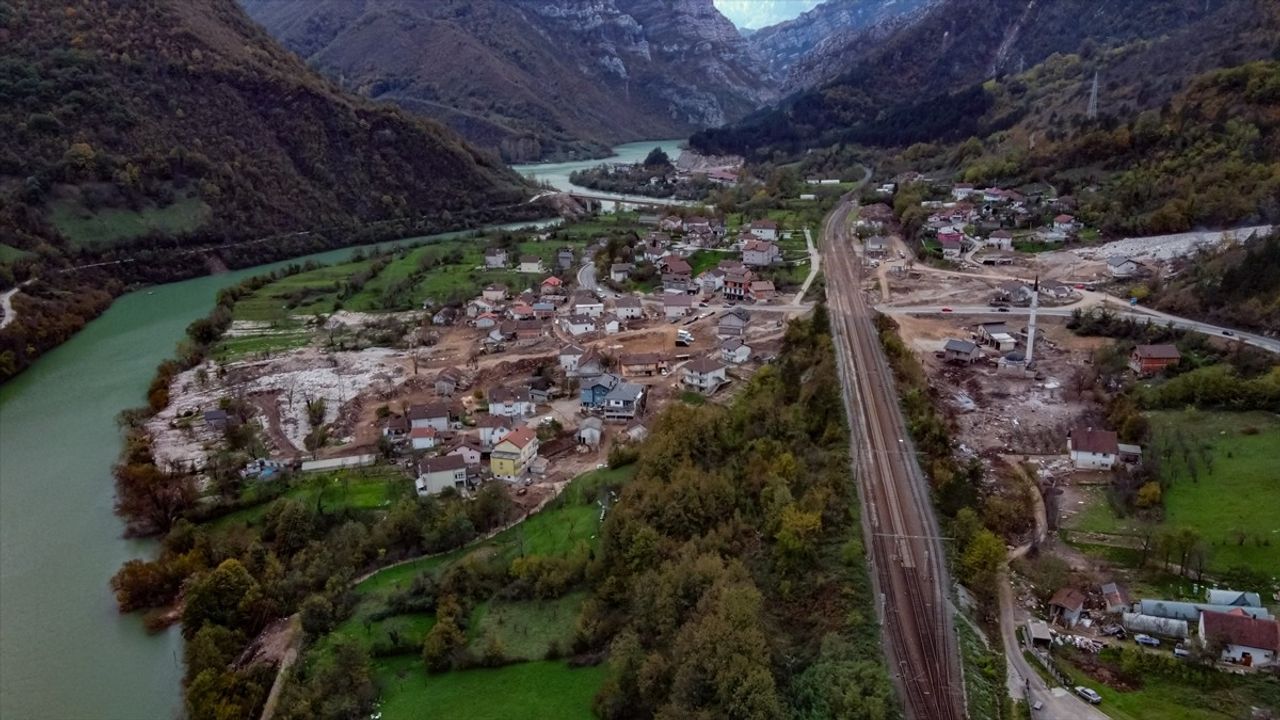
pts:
[591, 432]
[1038, 633]
[1114, 598]
[960, 351]
[1066, 606]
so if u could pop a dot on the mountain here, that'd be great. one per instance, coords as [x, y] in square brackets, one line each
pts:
[536, 79]
[138, 131]
[795, 50]
[922, 81]
[751, 15]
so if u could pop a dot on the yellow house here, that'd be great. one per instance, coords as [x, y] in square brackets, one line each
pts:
[510, 458]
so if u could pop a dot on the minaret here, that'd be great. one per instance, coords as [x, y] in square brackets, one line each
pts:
[1031, 324]
[1092, 112]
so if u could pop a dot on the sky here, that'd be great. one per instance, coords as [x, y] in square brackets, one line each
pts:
[756, 14]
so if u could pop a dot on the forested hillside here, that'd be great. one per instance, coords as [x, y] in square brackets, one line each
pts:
[1238, 286]
[136, 129]
[922, 82]
[537, 79]
[731, 580]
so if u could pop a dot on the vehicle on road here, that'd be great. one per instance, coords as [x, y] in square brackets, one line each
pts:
[1088, 694]
[1003, 309]
[1228, 333]
[946, 309]
[1146, 640]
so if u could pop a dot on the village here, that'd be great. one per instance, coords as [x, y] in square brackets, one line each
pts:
[527, 387]
[983, 285]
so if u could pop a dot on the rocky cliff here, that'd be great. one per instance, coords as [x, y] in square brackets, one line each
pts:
[536, 79]
[799, 51]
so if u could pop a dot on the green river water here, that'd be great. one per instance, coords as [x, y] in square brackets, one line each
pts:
[65, 652]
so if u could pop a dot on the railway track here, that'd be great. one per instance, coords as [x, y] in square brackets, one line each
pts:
[909, 571]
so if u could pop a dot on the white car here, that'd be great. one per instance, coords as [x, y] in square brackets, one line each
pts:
[1088, 694]
[1146, 640]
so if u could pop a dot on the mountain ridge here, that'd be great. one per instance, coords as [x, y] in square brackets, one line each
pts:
[535, 80]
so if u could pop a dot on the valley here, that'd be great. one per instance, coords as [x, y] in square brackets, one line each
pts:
[365, 360]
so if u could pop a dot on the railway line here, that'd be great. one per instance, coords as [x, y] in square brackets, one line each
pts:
[908, 566]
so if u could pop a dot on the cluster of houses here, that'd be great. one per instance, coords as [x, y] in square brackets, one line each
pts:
[736, 279]
[1232, 623]
[1051, 292]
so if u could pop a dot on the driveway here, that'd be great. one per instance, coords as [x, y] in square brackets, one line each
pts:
[1024, 682]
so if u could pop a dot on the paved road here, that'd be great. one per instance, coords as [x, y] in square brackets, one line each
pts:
[1139, 313]
[907, 560]
[587, 280]
[7, 313]
[815, 264]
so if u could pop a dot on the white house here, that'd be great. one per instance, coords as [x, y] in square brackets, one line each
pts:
[510, 402]
[481, 306]
[590, 432]
[495, 258]
[760, 253]
[765, 229]
[734, 352]
[610, 324]
[494, 293]
[961, 191]
[578, 324]
[705, 373]
[951, 248]
[432, 415]
[569, 358]
[436, 474]
[1093, 449]
[493, 428]
[1245, 640]
[531, 264]
[619, 272]
[424, 438]
[677, 306]
[1064, 224]
[586, 304]
[628, 307]
[468, 449]
[1122, 267]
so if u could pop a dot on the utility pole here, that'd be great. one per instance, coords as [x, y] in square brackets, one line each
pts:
[1092, 112]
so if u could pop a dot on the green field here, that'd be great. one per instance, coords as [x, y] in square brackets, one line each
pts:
[9, 253]
[1234, 495]
[532, 691]
[527, 628]
[1168, 699]
[106, 225]
[369, 488]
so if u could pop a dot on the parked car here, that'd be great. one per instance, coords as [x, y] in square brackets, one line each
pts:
[1088, 694]
[1180, 650]
[1146, 640]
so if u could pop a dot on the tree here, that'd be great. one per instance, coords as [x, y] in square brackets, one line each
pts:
[316, 614]
[1149, 495]
[445, 639]
[797, 536]
[982, 561]
[221, 597]
[657, 158]
[213, 647]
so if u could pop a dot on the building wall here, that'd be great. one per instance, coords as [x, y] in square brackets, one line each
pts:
[1092, 461]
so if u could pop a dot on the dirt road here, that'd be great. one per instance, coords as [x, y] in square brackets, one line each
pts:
[907, 560]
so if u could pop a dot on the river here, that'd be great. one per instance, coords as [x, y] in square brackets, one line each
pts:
[65, 652]
[557, 174]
